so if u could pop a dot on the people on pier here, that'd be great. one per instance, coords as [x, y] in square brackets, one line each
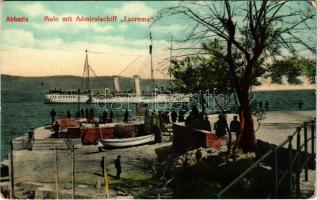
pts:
[126, 116]
[155, 118]
[181, 115]
[56, 129]
[205, 125]
[77, 115]
[102, 165]
[86, 112]
[68, 114]
[162, 122]
[30, 138]
[166, 117]
[91, 115]
[174, 116]
[104, 116]
[117, 164]
[235, 126]
[53, 115]
[266, 105]
[220, 126]
[261, 106]
[300, 104]
[82, 112]
[193, 116]
[111, 117]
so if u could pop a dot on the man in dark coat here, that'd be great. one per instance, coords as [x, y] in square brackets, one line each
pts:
[117, 164]
[235, 126]
[56, 129]
[111, 117]
[82, 112]
[181, 115]
[68, 114]
[104, 116]
[30, 138]
[126, 116]
[102, 165]
[53, 114]
[174, 116]
[221, 126]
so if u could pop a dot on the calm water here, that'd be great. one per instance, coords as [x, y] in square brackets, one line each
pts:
[21, 110]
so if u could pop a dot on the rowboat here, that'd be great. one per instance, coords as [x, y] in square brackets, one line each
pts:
[125, 142]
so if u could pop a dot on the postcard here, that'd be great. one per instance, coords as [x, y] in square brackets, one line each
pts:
[158, 99]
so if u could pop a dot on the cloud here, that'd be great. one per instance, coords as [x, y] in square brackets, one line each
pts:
[133, 9]
[17, 37]
[35, 9]
[172, 28]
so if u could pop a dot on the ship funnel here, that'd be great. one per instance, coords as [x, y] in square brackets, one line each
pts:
[116, 84]
[137, 85]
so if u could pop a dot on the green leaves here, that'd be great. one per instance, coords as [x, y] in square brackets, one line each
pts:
[292, 68]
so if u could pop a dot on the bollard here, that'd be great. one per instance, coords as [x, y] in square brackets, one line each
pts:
[290, 150]
[298, 164]
[305, 151]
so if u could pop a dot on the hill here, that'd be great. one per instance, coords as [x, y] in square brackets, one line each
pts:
[9, 82]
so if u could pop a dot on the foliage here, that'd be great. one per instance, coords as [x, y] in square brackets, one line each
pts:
[202, 73]
[251, 34]
[292, 67]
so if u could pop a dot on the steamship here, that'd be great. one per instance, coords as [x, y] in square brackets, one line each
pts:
[86, 96]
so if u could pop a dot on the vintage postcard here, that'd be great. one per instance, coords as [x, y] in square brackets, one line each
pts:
[158, 99]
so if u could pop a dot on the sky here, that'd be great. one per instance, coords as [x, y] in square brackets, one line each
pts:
[39, 48]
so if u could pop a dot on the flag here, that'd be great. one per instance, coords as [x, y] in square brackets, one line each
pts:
[151, 49]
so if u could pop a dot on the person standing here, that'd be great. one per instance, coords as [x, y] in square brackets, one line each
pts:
[111, 117]
[30, 138]
[181, 115]
[174, 116]
[266, 105]
[53, 114]
[68, 114]
[235, 126]
[86, 112]
[300, 104]
[56, 129]
[82, 112]
[104, 116]
[205, 125]
[261, 106]
[117, 164]
[221, 126]
[102, 165]
[126, 116]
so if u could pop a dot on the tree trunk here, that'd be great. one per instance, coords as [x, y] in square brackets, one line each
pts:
[246, 140]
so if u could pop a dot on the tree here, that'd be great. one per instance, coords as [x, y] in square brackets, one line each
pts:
[252, 33]
[292, 67]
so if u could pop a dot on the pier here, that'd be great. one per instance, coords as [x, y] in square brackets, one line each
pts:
[52, 168]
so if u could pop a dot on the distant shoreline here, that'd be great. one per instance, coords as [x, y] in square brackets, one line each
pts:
[265, 87]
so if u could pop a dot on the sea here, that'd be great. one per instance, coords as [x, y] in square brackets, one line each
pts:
[21, 110]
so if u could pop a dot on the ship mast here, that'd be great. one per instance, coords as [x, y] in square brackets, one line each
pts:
[152, 73]
[86, 80]
[170, 67]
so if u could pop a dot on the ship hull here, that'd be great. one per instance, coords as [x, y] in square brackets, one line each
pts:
[62, 98]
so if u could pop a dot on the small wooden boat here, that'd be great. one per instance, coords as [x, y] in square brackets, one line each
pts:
[125, 142]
